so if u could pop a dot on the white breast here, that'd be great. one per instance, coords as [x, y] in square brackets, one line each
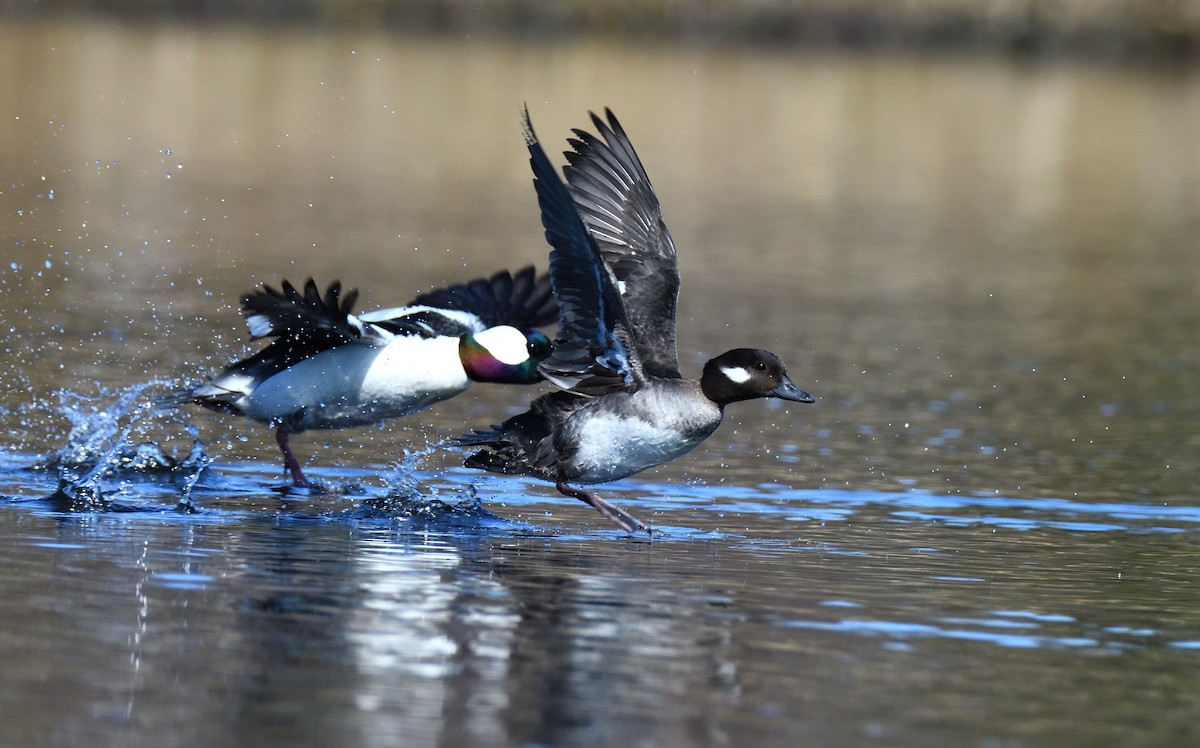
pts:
[668, 426]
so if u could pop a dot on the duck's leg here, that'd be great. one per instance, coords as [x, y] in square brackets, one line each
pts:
[289, 460]
[627, 521]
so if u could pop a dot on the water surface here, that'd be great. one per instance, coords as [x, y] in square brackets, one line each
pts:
[982, 534]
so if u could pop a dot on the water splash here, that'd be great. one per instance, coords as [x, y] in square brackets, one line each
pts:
[100, 422]
[403, 482]
[405, 499]
[99, 446]
[194, 464]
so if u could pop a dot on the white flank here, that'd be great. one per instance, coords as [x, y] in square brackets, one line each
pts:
[506, 344]
[361, 384]
[738, 374]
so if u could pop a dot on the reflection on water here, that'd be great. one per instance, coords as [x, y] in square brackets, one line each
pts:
[273, 629]
[981, 535]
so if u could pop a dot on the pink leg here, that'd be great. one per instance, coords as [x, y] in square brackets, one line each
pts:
[627, 521]
[289, 459]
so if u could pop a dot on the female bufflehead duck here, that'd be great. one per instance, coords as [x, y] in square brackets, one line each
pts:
[327, 368]
[623, 405]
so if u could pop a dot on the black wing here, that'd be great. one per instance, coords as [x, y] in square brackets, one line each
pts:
[621, 212]
[522, 300]
[592, 354]
[307, 316]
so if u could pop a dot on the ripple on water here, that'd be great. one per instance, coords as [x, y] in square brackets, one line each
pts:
[101, 468]
[465, 497]
[181, 580]
[903, 631]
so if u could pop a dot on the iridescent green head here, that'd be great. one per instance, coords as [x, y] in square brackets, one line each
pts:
[504, 355]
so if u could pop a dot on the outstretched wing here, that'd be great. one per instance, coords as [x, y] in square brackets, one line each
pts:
[621, 212]
[302, 324]
[523, 300]
[308, 316]
[592, 354]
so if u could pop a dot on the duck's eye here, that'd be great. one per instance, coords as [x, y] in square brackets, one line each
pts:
[537, 346]
[760, 366]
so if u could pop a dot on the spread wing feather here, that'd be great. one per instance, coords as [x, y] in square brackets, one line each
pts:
[308, 319]
[521, 300]
[618, 206]
[592, 354]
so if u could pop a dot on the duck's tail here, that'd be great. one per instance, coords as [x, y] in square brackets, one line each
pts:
[523, 444]
[206, 394]
[501, 452]
[497, 462]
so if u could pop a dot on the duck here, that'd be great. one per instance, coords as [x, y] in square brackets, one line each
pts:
[328, 368]
[621, 404]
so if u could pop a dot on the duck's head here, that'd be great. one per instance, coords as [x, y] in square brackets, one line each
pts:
[504, 355]
[747, 373]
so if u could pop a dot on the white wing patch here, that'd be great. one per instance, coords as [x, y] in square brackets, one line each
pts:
[357, 324]
[506, 344]
[259, 324]
[737, 374]
[468, 320]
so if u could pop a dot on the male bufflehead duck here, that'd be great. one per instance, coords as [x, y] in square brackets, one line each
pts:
[327, 368]
[623, 405]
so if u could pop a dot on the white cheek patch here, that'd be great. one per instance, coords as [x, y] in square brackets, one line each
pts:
[736, 374]
[506, 344]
